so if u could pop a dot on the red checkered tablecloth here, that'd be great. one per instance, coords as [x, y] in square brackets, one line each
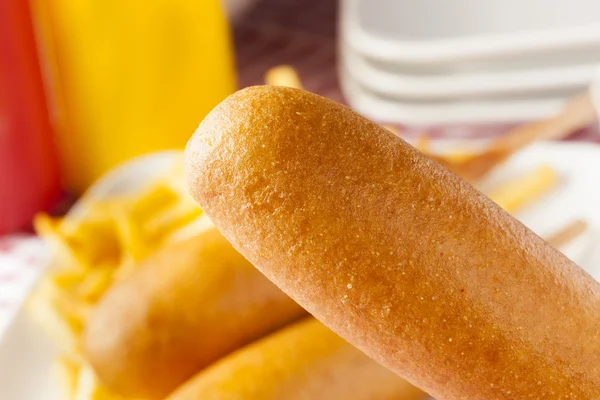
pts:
[299, 33]
[304, 34]
[21, 261]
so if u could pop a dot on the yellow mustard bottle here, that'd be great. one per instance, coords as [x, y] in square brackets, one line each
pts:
[131, 77]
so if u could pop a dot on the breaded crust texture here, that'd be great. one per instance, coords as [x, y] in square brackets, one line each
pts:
[183, 308]
[393, 252]
[305, 361]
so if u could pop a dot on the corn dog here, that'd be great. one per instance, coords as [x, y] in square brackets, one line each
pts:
[185, 307]
[395, 253]
[305, 361]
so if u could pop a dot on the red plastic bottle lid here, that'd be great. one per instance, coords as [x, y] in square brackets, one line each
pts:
[29, 178]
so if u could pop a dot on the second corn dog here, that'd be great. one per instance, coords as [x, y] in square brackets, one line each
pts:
[305, 361]
[183, 308]
[393, 252]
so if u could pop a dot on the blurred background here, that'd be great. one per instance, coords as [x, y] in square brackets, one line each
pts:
[88, 87]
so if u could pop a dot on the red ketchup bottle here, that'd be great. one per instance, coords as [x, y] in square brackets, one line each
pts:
[29, 180]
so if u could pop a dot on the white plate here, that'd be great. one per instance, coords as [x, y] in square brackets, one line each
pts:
[26, 355]
[427, 113]
[514, 63]
[399, 85]
[437, 32]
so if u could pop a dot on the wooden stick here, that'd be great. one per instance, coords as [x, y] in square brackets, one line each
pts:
[567, 233]
[576, 114]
